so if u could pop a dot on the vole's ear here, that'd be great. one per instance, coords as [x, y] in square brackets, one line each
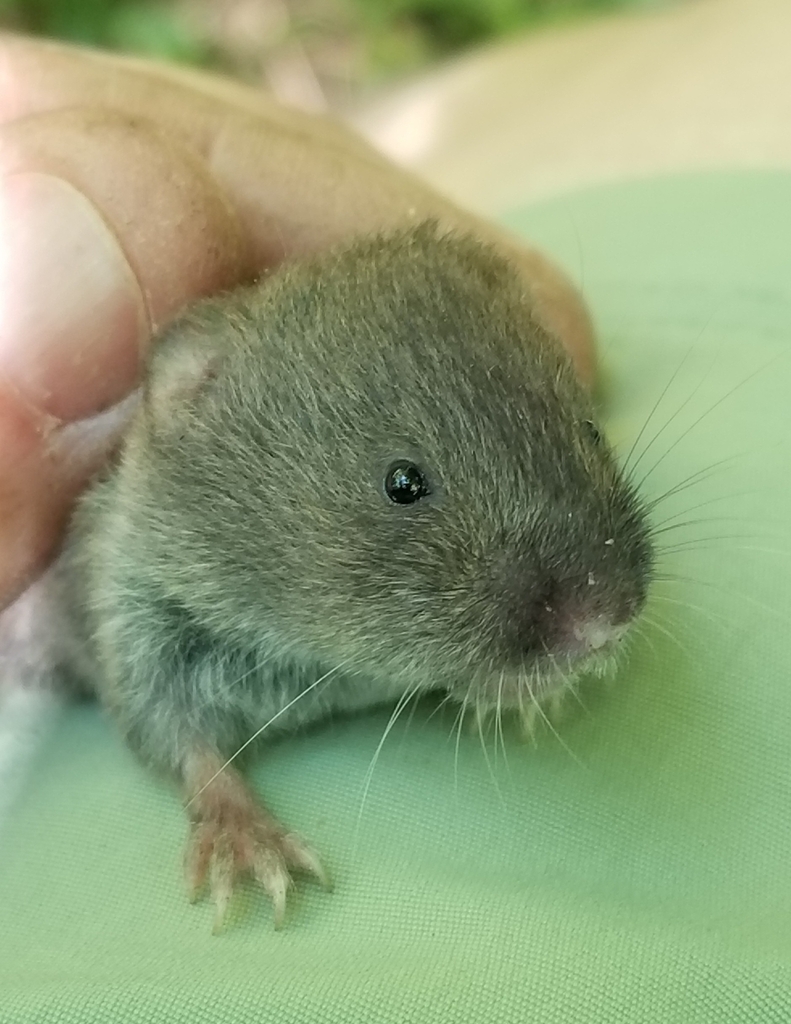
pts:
[186, 357]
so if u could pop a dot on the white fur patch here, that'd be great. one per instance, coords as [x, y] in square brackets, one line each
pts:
[31, 637]
[27, 715]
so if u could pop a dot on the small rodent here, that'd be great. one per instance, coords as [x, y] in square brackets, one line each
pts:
[372, 468]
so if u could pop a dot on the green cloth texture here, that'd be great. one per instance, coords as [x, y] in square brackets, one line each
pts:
[637, 868]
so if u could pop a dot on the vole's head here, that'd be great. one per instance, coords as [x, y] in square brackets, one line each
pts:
[381, 459]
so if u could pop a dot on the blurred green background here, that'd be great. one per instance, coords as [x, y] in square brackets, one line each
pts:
[316, 52]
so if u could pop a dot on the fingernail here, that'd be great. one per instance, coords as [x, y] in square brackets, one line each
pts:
[72, 315]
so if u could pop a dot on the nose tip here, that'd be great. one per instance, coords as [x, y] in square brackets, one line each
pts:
[596, 634]
[572, 617]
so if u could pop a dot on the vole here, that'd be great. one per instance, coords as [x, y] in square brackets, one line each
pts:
[369, 474]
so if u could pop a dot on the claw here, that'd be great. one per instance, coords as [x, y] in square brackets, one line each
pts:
[279, 904]
[301, 856]
[221, 881]
[221, 895]
[220, 913]
[270, 871]
[197, 857]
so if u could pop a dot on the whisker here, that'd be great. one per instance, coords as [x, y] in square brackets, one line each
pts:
[568, 685]
[571, 687]
[718, 620]
[499, 722]
[706, 472]
[554, 731]
[459, 726]
[668, 527]
[402, 703]
[479, 724]
[527, 716]
[638, 631]
[655, 407]
[411, 718]
[651, 621]
[760, 551]
[445, 700]
[708, 412]
[704, 543]
[699, 476]
[702, 504]
[257, 733]
[676, 578]
[259, 664]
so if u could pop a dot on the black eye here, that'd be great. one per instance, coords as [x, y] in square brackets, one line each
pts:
[405, 483]
[593, 431]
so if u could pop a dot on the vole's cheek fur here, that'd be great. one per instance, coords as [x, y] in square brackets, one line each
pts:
[244, 548]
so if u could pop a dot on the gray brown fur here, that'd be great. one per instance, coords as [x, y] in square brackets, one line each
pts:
[243, 544]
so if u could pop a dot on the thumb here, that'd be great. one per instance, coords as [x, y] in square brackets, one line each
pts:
[88, 268]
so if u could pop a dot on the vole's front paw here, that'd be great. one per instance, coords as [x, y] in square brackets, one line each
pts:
[233, 835]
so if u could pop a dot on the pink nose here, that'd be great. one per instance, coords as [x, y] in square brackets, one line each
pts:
[596, 634]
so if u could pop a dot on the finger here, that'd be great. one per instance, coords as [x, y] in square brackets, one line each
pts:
[298, 183]
[39, 75]
[106, 229]
[43, 467]
[271, 160]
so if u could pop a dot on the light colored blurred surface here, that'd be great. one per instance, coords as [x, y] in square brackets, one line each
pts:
[702, 84]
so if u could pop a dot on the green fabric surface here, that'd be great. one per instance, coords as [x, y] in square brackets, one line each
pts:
[636, 870]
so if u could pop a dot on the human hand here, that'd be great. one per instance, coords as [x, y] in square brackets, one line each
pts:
[127, 190]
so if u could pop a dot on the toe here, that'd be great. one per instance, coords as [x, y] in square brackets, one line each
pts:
[221, 879]
[196, 861]
[270, 871]
[301, 857]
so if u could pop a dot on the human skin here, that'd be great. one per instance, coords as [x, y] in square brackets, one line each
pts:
[129, 189]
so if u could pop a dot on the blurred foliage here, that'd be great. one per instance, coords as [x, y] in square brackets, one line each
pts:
[449, 25]
[353, 43]
[144, 27]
